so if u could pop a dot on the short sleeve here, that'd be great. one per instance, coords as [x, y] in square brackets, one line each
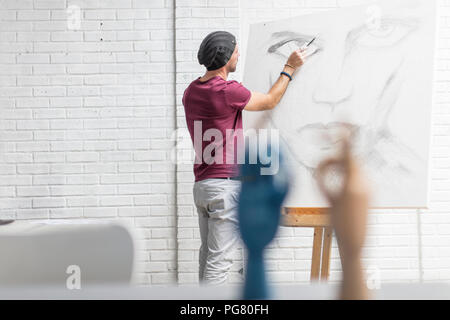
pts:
[183, 100]
[236, 95]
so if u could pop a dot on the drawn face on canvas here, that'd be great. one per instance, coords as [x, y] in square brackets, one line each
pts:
[351, 79]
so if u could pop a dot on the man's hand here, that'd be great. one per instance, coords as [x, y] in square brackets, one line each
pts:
[296, 59]
[349, 205]
[349, 209]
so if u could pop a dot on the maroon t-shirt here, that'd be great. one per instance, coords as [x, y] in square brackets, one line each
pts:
[213, 107]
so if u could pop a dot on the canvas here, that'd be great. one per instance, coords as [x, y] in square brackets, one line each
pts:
[369, 72]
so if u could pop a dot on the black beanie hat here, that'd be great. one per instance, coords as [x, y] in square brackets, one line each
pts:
[216, 50]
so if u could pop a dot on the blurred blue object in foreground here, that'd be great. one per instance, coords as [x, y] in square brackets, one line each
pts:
[260, 203]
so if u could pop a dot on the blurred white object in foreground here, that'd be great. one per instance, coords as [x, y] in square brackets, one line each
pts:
[65, 253]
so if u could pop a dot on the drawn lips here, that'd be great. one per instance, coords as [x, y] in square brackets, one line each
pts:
[325, 136]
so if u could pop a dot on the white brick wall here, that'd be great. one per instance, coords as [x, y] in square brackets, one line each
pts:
[86, 116]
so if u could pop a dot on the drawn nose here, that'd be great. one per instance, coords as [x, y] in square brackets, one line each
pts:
[335, 85]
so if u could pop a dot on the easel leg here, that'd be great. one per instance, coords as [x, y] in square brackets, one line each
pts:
[326, 253]
[316, 253]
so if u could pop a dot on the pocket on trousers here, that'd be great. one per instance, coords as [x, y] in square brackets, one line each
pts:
[224, 208]
[216, 205]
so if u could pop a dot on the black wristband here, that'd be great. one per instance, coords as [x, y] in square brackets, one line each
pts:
[287, 75]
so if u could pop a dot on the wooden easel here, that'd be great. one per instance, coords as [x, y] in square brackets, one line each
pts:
[318, 219]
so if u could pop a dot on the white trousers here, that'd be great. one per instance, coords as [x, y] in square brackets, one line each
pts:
[216, 201]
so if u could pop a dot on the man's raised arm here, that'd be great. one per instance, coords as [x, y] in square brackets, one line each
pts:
[260, 101]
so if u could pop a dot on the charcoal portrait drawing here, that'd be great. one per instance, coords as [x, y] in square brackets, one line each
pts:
[369, 72]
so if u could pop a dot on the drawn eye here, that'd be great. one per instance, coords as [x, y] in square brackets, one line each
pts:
[286, 47]
[388, 33]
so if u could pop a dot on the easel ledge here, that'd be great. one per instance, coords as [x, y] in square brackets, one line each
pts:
[305, 217]
[319, 217]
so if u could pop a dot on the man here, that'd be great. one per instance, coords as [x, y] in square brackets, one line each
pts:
[213, 103]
